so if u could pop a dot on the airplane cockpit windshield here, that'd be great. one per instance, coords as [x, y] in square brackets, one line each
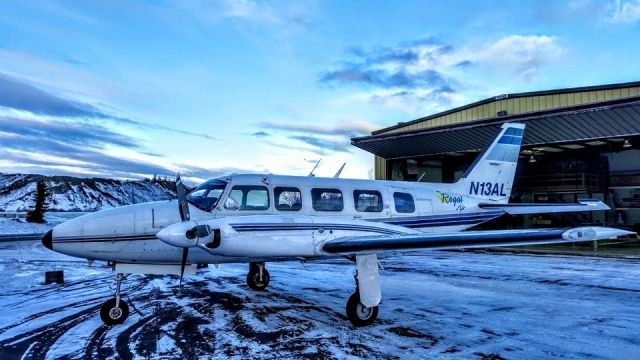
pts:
[206, 195]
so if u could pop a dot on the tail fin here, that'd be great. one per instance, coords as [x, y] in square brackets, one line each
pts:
[491, 175]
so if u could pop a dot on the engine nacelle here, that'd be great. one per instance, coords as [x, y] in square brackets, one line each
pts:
[187, 234]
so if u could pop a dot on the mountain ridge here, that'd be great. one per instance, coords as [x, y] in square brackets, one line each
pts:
[68, 193]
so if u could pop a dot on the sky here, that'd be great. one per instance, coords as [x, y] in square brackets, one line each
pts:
[128, 89]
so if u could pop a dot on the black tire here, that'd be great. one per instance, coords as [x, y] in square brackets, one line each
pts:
[253, 279]
[111, 315]
[358, 314]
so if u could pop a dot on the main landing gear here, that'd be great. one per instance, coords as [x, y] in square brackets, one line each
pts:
[362, 306]
[258, 277]
[358, 313]
[115, 311]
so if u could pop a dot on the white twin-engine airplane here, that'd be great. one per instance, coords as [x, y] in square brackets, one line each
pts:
[260, 218]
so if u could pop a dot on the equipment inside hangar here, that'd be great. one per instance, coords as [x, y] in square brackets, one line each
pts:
[579, 143]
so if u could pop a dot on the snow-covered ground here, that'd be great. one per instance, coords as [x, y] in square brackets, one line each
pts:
[444, 305]
[20, 226]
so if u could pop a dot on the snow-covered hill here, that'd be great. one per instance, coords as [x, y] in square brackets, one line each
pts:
[79, 194]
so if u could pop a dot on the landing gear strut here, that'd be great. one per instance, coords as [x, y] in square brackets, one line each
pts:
[115, 311]
[362, 307]
[258, 276]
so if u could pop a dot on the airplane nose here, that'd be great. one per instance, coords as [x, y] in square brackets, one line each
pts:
[47, 240]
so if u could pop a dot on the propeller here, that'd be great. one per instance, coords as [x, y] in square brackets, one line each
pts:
[186, 233]
[183, 206]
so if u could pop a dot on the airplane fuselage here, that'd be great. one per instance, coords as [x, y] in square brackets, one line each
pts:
[303, 213]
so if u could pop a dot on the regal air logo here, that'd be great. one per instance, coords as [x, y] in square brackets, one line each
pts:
[486, 189]
[455, 200]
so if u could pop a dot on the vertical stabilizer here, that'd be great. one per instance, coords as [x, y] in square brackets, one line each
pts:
[491, 175]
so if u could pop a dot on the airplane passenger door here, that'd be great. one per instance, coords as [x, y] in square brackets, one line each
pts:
[424, 206]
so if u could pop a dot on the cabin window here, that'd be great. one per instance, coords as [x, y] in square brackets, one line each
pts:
[248, 197]
[287, 198]
[327, 200]
[403, 202]
[367, 200]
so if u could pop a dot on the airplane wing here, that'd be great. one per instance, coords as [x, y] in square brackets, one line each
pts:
[468, 239]
[542, 208]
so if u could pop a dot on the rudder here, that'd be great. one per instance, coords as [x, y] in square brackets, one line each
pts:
[491, 175]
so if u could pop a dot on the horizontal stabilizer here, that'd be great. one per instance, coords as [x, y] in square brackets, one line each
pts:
[542, 208]
[469, 239]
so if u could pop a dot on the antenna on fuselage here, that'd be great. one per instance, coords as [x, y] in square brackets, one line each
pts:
[337, 175]
[421, 176]
[314, 168]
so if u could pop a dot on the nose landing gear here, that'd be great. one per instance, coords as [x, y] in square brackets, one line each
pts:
[115, 311]
[258, 277]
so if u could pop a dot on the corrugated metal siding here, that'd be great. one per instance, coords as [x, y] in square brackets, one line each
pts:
[523, 105]
[380, 168]
[598, 123]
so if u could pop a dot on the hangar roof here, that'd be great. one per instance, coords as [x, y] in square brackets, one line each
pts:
[520, 104]
[606, 119]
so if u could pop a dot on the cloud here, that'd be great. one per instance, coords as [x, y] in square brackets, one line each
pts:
[322, 145]
[386, 79]
[43, 132]
[407, 99]
[408, 66]
[45, 153]
[284, 16]
[19, 94]
[319, 139]
[58, 145]
[209, 173]
[522, 55]
[344, 128]
[65, 132]
[605, 12]
[426, 70]
[257, 11]
[621, 11]
[261, 134]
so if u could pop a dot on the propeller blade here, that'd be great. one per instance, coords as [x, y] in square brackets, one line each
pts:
[183, 264]
[183, 205]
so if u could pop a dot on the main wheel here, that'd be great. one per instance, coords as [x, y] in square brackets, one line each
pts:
[112, 315]
[358, 314]
[254, 281]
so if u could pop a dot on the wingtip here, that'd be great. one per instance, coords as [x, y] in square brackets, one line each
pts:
[592, 233]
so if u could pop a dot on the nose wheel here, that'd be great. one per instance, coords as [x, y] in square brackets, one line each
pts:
[115, 311]
[258, 277]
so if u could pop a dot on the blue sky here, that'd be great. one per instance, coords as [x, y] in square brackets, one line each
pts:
[129, 89]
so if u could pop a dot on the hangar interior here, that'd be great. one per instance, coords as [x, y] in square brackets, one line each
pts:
[579, 143]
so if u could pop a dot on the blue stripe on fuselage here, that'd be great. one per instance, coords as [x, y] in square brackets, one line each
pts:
[407, 221]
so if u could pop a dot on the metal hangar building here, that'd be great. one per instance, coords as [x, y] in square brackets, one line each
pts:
[579, 143]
